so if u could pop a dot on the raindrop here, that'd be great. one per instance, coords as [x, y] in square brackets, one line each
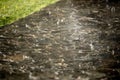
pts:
[0, 52]
[113, 52]
[31, 77]
[80, 51]
[91, 46]
[113, 9]
[26, 25]
[49, 12]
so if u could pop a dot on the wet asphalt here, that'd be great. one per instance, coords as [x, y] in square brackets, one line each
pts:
[69, 40]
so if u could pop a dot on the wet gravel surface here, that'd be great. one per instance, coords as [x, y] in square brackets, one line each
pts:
[70, 40]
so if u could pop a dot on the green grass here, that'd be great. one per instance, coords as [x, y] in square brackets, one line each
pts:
[12, 10]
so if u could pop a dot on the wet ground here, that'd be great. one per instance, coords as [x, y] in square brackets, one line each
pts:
[70, 40]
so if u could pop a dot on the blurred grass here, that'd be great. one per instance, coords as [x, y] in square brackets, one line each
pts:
[12, 10]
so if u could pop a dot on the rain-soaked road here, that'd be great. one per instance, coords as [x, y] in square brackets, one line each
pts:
[70, 40]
